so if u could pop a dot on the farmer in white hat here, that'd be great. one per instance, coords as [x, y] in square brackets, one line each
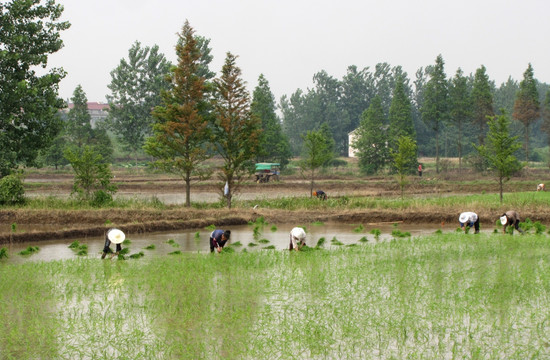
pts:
[297, 238]
[469, 219]
[510, 218]
[114, 236]
[541, 187]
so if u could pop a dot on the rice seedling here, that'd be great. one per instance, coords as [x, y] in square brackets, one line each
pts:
[273, 228]
[150, 247]
[376, 233]
[126, 241]
[400, 234]
[13, 227]
[108, 222]
[252, 244]
[336, 242]
[320, 242]
[3, 253]
[236, 244]
[137, 255]
[172, 242]
[317, 223]
[359, 228]
[363, 239]
[74, 245]
[269, 247]
[177, 252]
[211, 227]
[29, 250]
[263, 241]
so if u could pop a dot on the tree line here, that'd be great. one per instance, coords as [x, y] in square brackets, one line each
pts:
[182, 114]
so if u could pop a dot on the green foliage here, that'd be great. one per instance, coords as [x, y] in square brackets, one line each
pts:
[29, 250]
[137, 255]
[316, 153]
[400, 234]
[400, 115]
[136, 84]
[460, 108]
[150, 247]
[320, 242]
[91, 175]
[274, 145]
[376, 233]
[3, 253]
[11, 190]
[29, 102]
[404, 158]
[482, 102]
[527, 106]
[359, 228]
[372, 138]
[499, 150]
[336, 242]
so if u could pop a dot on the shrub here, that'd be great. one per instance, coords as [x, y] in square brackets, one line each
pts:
[11, 190]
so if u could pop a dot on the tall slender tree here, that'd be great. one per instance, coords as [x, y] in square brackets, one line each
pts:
[316, 153]
[435, 103]
[460, 108]
[29, 102]
[372, 139]
[482, 102]
[499, 150]
[181, 131]
[136, 85]
[79, 127]
[400, 116]
[527, 106]
[545, 114]
[236, 130]
[274, 145]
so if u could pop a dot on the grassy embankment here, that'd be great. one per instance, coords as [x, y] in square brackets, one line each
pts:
[441, 296]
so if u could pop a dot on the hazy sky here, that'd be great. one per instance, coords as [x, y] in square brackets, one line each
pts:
[291, 40]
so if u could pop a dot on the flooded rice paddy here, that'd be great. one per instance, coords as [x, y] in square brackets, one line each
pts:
[250, 237]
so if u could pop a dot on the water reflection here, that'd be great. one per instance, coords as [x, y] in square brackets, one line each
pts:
[197, 240]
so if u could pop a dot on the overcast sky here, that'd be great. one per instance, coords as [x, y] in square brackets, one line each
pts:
[291, 40]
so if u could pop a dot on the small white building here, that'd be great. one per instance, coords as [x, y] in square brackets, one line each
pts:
[352, 152]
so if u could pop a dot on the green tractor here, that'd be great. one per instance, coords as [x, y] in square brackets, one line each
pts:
[266, 171]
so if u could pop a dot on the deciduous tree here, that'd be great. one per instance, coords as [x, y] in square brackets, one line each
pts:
[400, 115]
[29, 33]
[236, 130]
[316, 153]
[181, 132]
[136, 84]
[404, 159]
[499, 150]
[372, 139]
[527, 106]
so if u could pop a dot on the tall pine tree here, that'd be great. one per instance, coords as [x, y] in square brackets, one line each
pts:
[482, 103]
[400, 118]
[460, 108]
[527, 106]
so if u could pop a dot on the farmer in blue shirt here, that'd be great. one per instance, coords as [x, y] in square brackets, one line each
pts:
[218, 238]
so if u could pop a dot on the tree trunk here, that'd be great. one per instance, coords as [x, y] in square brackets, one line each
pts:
[188, 189]
[500, 185]
[526, 143]
[437, 152]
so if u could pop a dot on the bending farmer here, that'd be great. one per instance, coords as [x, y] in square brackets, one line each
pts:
[469, 219]
[114, 236]
[510, 218]
[297, 238]
[320, 194]
[218, 238]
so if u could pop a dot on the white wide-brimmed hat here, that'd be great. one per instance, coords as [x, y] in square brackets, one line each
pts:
[298, 233]
[463, 218]
[503, 220]
[116, 236]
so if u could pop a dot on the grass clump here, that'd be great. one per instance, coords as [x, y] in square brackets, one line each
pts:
[150, 247]
[359, 229]
[3, 253]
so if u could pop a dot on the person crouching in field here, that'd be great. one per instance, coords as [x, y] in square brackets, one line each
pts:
[510, 218]
[297, 239]
[218, 238]
[541, 187]
[114, 236]
[320, 194]
[467, 220]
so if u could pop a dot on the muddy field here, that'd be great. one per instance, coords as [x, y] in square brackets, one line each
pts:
[82, 223]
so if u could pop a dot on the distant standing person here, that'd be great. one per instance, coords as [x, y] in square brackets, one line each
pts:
[420, 170]
[218, 238]
[469, 219]
[114, 236]
[297, 239]
[510, 218]
[320, 194]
